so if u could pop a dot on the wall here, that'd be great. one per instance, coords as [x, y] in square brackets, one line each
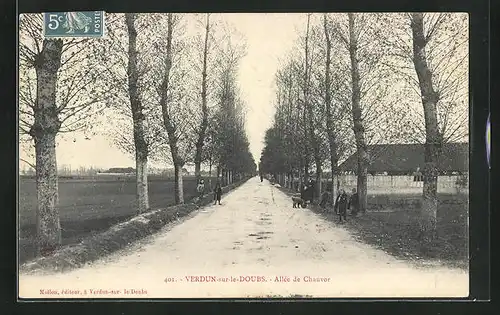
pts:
[383, 184]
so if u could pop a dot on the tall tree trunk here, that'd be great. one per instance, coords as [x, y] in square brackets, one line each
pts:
[317, 161]
[301, 179]
[306, 103]
[306, 173]
[359, 130]
[141, 146]
[329, 111]
[433, 138]
[141, 162]
[210, 174]
[310, 113]
[197, 164]
[43, 131]
[204, 108]
[179, 187]
[319, 173]
[167, 119]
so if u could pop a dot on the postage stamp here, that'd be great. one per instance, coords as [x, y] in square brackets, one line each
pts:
[74, 24]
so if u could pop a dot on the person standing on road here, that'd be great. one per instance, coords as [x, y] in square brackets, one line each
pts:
[417, 175]
[353, 202]
[201, 187]
[341, 205]
[217, 193]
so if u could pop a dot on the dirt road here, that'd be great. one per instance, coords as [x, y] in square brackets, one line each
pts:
[254, 244]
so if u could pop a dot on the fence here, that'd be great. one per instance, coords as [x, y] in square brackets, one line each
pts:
[385, 181]
[395, 184]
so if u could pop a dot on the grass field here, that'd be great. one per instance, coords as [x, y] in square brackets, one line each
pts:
[92, 205]
[397, 232]
[391, 223]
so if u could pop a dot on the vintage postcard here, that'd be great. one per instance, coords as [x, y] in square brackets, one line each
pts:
[243, 155]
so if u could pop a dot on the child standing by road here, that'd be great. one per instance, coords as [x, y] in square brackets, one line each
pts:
[217, 193]
[341, 205]
[201, 187]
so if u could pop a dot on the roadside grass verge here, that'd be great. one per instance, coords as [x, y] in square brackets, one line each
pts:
[391, 224]
[397, 233]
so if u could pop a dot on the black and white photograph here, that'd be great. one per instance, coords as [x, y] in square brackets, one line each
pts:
[243, 155]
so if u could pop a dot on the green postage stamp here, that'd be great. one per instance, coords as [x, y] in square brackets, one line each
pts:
[74, 24]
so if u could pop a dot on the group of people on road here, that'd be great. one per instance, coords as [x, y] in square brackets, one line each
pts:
[307, 192]
[345, 202]
[200, 188]
[342, 203]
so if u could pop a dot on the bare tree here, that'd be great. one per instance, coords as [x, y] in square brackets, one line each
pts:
[303, 69]
[229, 132]
[174, 100]
[370, 99]
[60, 89]
[328, 104]
[204, 108]
[429, 52]
[140, 143]
[132, 120]
[314, 125]
[430, 99]
[167, 120]
[350, 39]
[285, 120]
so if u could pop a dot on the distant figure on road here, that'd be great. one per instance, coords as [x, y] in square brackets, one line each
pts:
[353, 202]
[341, 205]
[217, 193]
[261, 178]
[201, 187]
[417, 175]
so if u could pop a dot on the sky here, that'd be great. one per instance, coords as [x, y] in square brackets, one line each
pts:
[269, 37]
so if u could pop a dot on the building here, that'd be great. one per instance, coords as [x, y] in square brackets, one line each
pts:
[121, 170]
[404, 159]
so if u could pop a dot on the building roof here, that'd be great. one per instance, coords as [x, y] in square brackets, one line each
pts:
[407, 157]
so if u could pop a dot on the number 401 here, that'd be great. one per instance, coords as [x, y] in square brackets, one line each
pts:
[54, 21]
